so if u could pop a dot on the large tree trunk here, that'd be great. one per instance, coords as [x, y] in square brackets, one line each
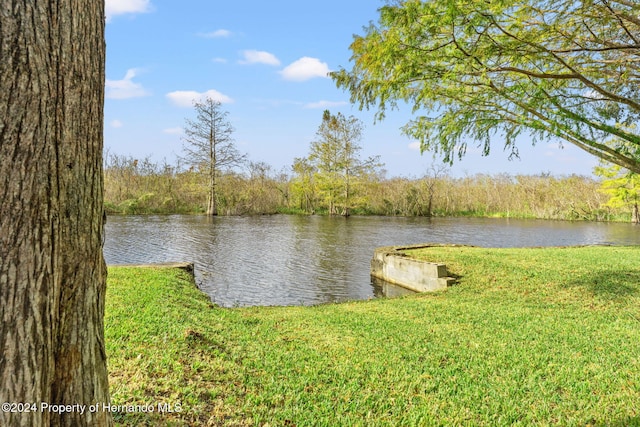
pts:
[212, 199]
[52, 272]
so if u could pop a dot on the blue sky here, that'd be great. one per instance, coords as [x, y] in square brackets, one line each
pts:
[266, 61]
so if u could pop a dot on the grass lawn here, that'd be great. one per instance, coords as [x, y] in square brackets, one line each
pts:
[526, 337]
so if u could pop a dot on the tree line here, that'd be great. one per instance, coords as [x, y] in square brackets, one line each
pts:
[213, 177]
[143, 186]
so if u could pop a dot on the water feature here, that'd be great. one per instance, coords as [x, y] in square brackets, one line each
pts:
[302, 260]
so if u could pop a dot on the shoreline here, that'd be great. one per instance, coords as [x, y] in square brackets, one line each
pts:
[521, 328]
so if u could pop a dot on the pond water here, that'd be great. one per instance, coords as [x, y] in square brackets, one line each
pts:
[304, 260]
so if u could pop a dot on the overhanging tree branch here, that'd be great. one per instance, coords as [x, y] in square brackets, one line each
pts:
[560, 69]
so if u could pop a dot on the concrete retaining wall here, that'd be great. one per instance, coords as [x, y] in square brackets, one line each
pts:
[390, 265]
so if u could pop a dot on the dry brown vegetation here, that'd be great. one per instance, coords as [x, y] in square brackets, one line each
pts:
[144, 187]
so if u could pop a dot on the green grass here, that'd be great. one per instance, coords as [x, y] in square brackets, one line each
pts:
[526, 337]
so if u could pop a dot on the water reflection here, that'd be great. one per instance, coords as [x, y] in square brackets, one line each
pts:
[298, 260]
[382, 288]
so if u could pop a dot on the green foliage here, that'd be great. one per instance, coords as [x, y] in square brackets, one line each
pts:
[622, 187]
[482, 70]
[525, 337]
[334, 160]
[135, 186]
[304, 188]
[144, 187]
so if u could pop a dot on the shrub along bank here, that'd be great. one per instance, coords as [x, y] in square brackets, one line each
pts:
[144, 187]
[526, 337]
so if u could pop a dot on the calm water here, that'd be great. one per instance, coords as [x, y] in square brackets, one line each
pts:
[299, 260]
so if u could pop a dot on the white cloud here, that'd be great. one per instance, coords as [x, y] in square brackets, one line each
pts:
[305, 68]
[173, 131]
[217, 34]
[121, 7]
[325, 104]
[414, 146]
[219, 60]
[553, 149]
[259, 57]
[116, 124]
[125, 88]
[594, 95]
[185, 98]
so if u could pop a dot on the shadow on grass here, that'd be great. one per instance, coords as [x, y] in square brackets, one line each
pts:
[609, 284]
[626, 422]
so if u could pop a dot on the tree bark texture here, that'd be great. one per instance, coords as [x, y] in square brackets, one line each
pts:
[212, 205]
[52, 271]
